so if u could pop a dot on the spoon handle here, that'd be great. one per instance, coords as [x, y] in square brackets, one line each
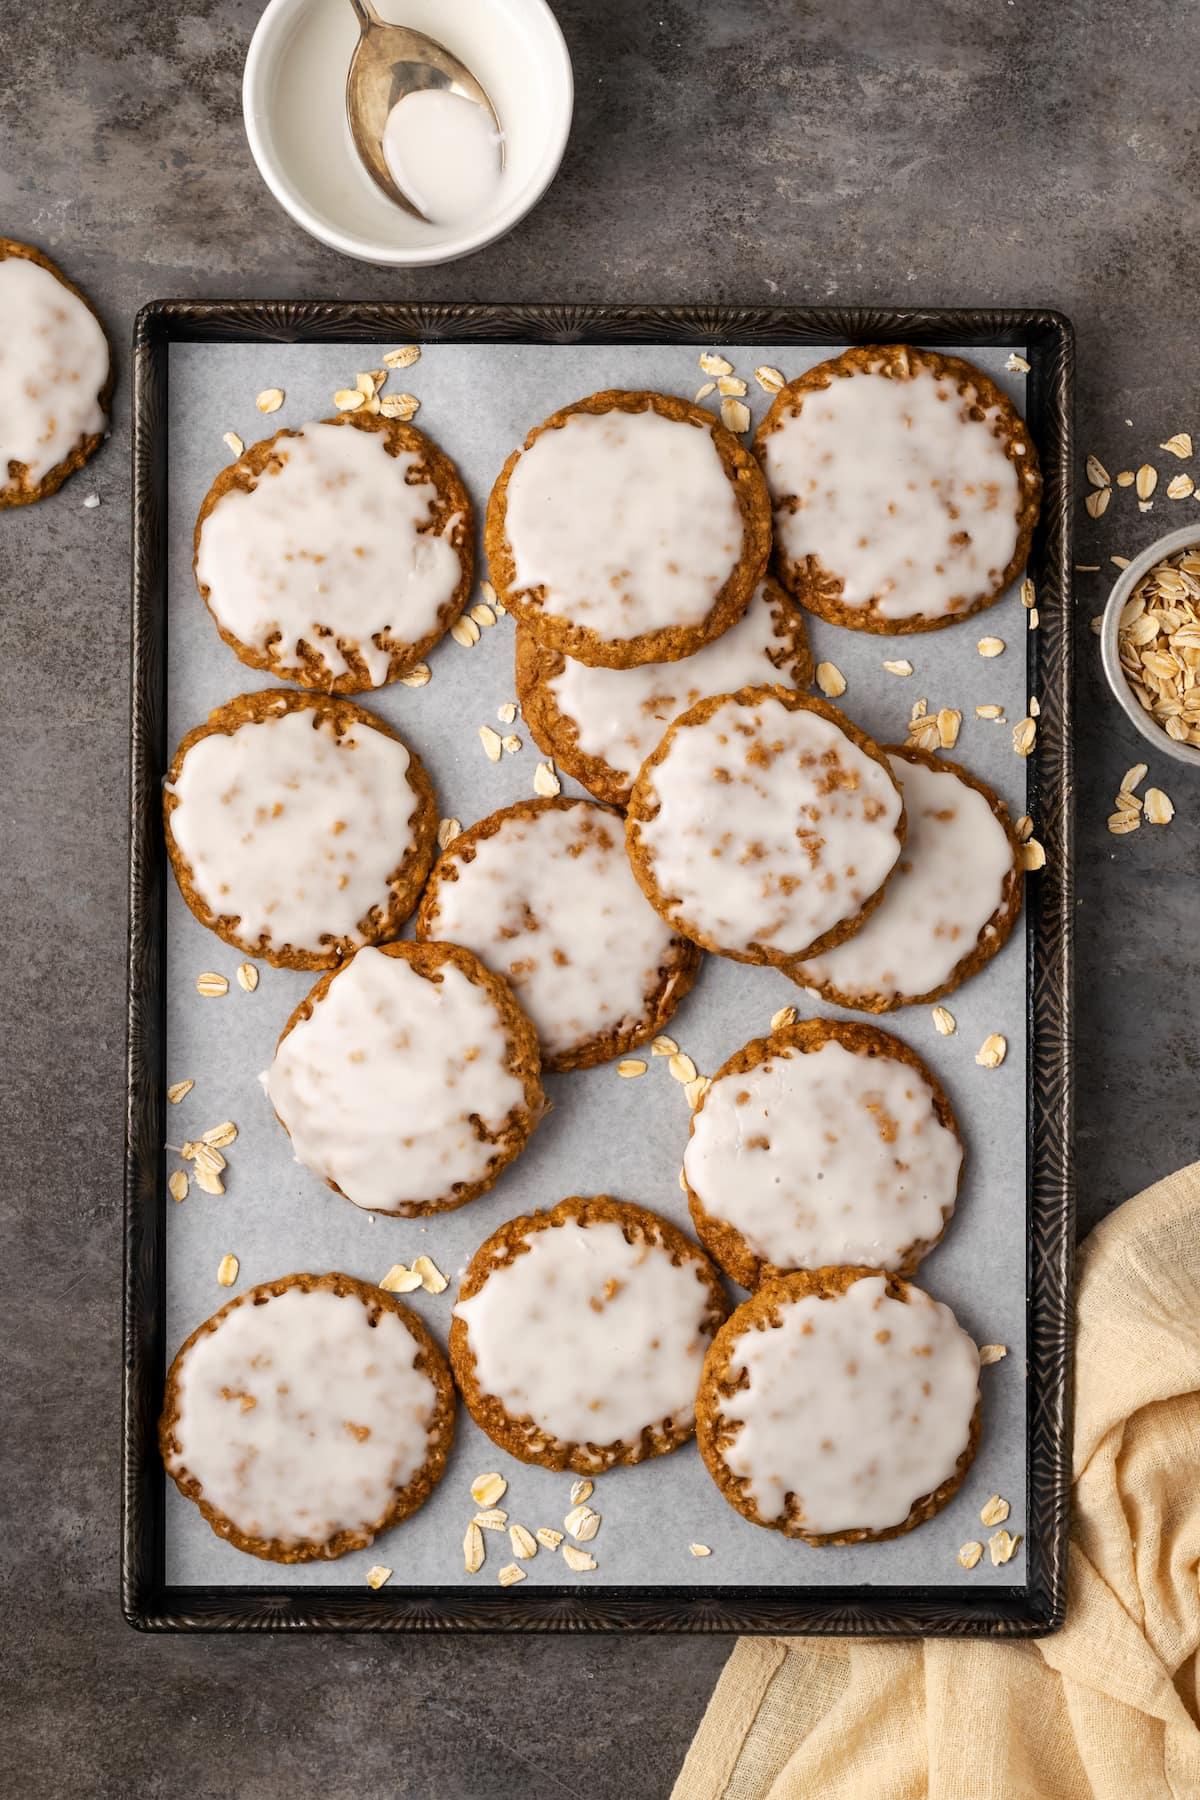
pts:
[366, 15]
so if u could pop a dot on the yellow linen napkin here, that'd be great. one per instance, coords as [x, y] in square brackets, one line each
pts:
[1105, 1710]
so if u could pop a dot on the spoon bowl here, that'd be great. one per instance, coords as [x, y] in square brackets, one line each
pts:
[389, 63]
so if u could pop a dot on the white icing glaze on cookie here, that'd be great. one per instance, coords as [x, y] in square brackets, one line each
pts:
[857, 1405]
[621, 714]
[390, 1088]
[773, 826]
[948, 885]
[332, 538]
[824, 1156]
[628, 520]
[301, 1420]
[53, 365]
[549, 902]
[593, 1338]
[892, 486]
[293, 829]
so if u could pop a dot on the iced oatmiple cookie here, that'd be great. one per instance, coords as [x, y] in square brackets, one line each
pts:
[629, 528]
[765, 825]
[408, 1079]
[600, 725]
[839, 1406]
[337, 555]
[951, 905]
[823, 1143]
[579, 1335]
[55, 376]
[299, 827]
[307, 1416]
[905, 488]
[543, 893]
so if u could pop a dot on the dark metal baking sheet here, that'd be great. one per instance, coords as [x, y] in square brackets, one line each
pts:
[1034, 1604]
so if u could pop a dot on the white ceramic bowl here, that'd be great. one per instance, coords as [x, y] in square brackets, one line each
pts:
[1110, 648]
[294, 105]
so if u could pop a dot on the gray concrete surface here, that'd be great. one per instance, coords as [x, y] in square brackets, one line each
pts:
[925, 150]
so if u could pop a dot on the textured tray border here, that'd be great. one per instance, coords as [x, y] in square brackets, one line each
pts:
[1025, 1609]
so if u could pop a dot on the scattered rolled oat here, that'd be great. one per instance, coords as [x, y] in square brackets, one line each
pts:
[700, 1549]
[206, 1157]
[270, 400]
[545, 781]
[1028, 593]
[489, 594]
[901, 666]
[227, 1270]
[948, 723]
[944, 1022]
[1122, 823]
[989, 711]
[1035, 710]
[1126, 478]
[507, 713]
[735, 416]
[177, 1184]
[581, 1490]
[1097, 624]
[523, 1542]
[509, 1574]
[1024, 736]
[1097, 474]
[830, 680]
[1035, 618]
[992, 1051]
[704, 390]
[783, 1018]
[769, 380]
[970, 1554]
[211, 985]
[696, 1090]
[1120, 562]
[208, 1180]
[1159, 810]
[1179, 487]
[663, 1045]
[378, 1576]
[494, 1519]
[712, 364]
[1146, 481]
[682, 1067]
[990, 646]
[547, 1537]
[994, 1511]
[400, 406]
[92, 501]
[233, 442]
[402, 358]
[1097, 501]
[247, 977]
[218, 1136]
[1179, 445]
[432, 1279]
[417, 677]
[1133, 778]
[487, 1489]
[1003, 1547]
[349, 399]
[1033, 856]
[579, 1560]
[582, 1523]
[178, 1090]
[465, 631]
[1016, 365]
[631, 1067]
[447, 831]
[482, 614]
[511, 744]
[493, 747]
[992, 1353]
[1024, 828]
[400, 1280]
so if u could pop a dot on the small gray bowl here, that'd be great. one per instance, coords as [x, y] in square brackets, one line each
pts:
[1128, 579]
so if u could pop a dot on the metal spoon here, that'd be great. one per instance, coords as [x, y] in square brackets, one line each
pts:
[389, 62]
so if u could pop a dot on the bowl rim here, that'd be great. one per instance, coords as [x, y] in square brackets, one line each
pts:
[465, 243]
[1124, 585]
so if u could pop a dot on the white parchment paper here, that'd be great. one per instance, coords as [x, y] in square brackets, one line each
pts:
[604, 1135]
